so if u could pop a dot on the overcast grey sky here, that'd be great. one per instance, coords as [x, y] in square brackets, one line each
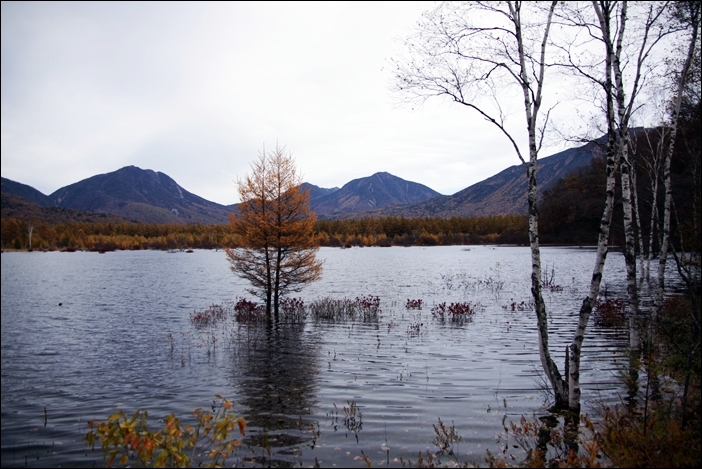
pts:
[195, 90]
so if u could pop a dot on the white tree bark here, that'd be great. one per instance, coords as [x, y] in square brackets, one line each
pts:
[611, 26]
[669, 156]
[470, 63]
[654, 169]
[532, 103]
[637, 218]
[475, 50]
[613, 157]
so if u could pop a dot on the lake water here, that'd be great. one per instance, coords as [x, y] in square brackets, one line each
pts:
[85, 333]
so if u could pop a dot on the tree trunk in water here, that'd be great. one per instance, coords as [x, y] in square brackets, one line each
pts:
[630, 260]
[552, 373]
[630, 247]
[269, 283]
[605, 222]
[669, 156]
[589, 301]
[276, 290]
[637, 217]
[532, 103]
[654, 222]
[623, 115]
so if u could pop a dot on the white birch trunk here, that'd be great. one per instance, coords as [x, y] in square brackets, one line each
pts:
[654, 221]
[613, 155]
[666, 168]
[596, 280]
[629, 250]
[637, 218]
[531, 109]
[623, 114]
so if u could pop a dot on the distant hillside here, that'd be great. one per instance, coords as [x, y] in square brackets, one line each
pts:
[370, 193]
[27, 192]
[153, 197]
[503, 193]
[139, 194]
[316, 191]
[15, 206]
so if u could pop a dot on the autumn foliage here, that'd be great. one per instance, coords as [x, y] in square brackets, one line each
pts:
[129, 441]
[276, 240]
[381, 231]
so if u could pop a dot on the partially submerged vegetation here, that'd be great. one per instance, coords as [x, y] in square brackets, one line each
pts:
[657, 425]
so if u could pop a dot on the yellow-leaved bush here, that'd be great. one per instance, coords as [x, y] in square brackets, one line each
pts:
[128, 440]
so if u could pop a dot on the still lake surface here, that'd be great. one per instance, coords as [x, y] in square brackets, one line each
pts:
[85, 333]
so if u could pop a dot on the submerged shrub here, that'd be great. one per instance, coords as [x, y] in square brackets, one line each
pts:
[208, 317]
[363, 308]
[330, 309]
[521, 306]
[368, 306]
[455, 313]
[249, 312]
[293, 309]
[610, 313]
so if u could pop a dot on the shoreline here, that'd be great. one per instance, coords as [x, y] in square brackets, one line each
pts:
[190, 250]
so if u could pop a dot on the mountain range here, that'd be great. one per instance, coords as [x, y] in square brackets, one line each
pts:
[143, 195]
[503, 193]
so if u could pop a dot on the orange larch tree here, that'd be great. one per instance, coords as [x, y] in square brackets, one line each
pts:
[277, 245]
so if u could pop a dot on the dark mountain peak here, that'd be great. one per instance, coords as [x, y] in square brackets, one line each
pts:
[380, 190]
[140, 194]
[133, 168]
[154, 197]
[505, 192]
[316, 191]
[137, 174]
[29, 193]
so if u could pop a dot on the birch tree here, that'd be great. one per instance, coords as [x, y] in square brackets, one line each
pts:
[652, 162]
[688, 15]
[476, 54]
[603, 80]
[628, 34]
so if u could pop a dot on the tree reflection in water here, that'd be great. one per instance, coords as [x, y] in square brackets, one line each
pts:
[278, 366]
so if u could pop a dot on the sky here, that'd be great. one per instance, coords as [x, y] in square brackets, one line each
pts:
[198, 90]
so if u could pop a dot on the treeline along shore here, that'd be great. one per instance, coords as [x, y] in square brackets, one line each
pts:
[387, 231]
